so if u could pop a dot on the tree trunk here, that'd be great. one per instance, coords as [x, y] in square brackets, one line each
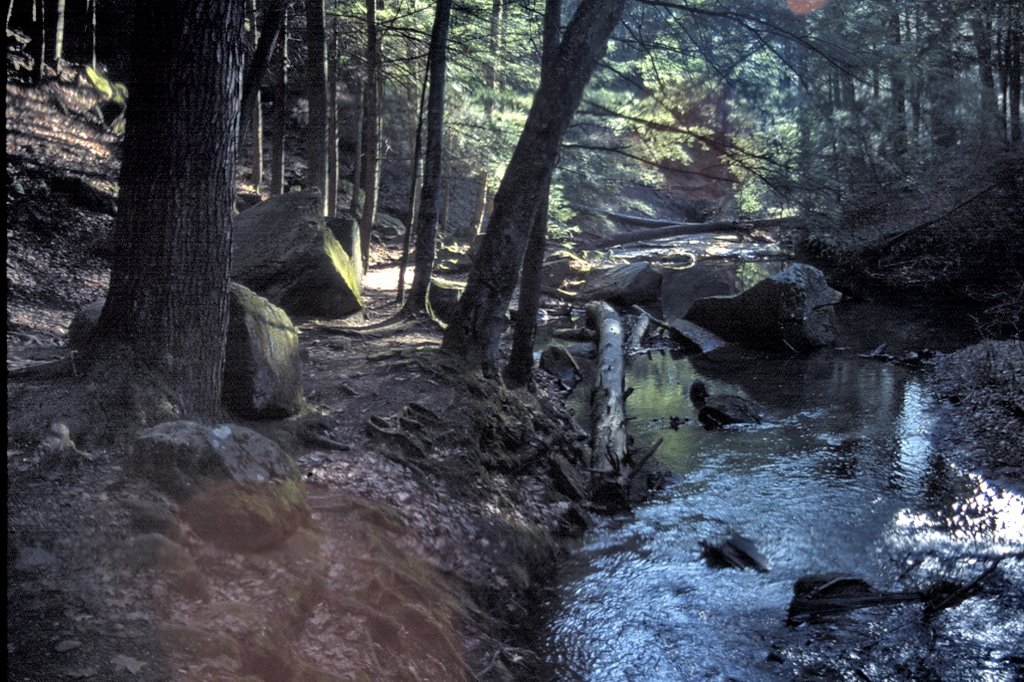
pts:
[680, 229]
[166, 312]
[356, 206]
[519, 370]
[256, 122]
[494, 51]
[332, 122]
[37, 47]
[988, 106]
[899, 90]
[257, 67]
[371, 131]
[480, 319]
[280, 112]
[316, 91]
[54, 31]
[607, 404]
[1014, 73]
[430, 195]
[414, 184]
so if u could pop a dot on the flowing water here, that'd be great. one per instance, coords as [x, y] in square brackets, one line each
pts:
[849, 474]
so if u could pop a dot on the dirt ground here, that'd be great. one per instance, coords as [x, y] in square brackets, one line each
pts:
[417, 565]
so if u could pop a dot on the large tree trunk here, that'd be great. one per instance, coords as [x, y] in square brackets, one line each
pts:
[371, 131]
[280, 112]
[166, 311]
[519, 371]
[37, 47]
[430, 196]
[480, 319]
[316, 91]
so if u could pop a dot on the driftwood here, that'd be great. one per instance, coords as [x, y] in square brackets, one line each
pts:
[679, 229]
[608, 415]
[636, 337]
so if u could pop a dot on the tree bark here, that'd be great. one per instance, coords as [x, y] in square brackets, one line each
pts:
[607, 404]
[371, 131]
[476, 331]
[256, 69]
[899, 89]
[414, 184]
[37, 47]
[256, 121]
[316, 91]
[280, 112]
[166, 310]
[430, 195]
[54, 32]
[332, 122]
[519, 370]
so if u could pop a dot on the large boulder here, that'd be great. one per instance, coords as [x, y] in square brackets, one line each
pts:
[283, 250]
[235, 487]
[84, 323]
[262, 368]
[792, 309]
[624, 285]
[443, 298]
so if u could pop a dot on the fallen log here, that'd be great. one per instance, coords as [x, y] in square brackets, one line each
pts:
[636, 337]
[607, 410]
[680, 229]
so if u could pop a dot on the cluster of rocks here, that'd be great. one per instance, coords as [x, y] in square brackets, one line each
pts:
[794, 309]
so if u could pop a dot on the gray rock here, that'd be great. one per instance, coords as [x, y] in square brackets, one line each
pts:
[282, 250]
[624, 285]
[388, 226]
[695, 336]
[345, 228]
[793, 309]
[84, 324]
[32, 559]
[680, 287]
[262, 368]
[443, 299]
[236, 488]
[560, 363]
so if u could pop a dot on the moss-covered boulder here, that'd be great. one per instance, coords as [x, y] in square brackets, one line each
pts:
[283, 250]
[262, 368]
[235, 487]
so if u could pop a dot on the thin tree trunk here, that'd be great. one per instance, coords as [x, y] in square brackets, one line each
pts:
[256, 123]
[38, 44]
[316, 91]
[257, 67]
[1014, 74]
[54, 32]
[475, 333]
[430, 196]
[371, 131]
[519, 370]
[899, 90]
[355, 205]
[280, 112]
[163, 327]
[332, 122]
[414, 187]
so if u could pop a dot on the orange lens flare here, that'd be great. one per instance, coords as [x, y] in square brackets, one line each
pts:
[805, 6]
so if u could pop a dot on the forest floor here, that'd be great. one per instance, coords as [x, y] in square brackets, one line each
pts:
[418, 565]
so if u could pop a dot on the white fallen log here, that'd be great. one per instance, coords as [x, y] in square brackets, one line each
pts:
[608, 416]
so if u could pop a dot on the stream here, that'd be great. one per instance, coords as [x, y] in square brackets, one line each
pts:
[849, 474]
